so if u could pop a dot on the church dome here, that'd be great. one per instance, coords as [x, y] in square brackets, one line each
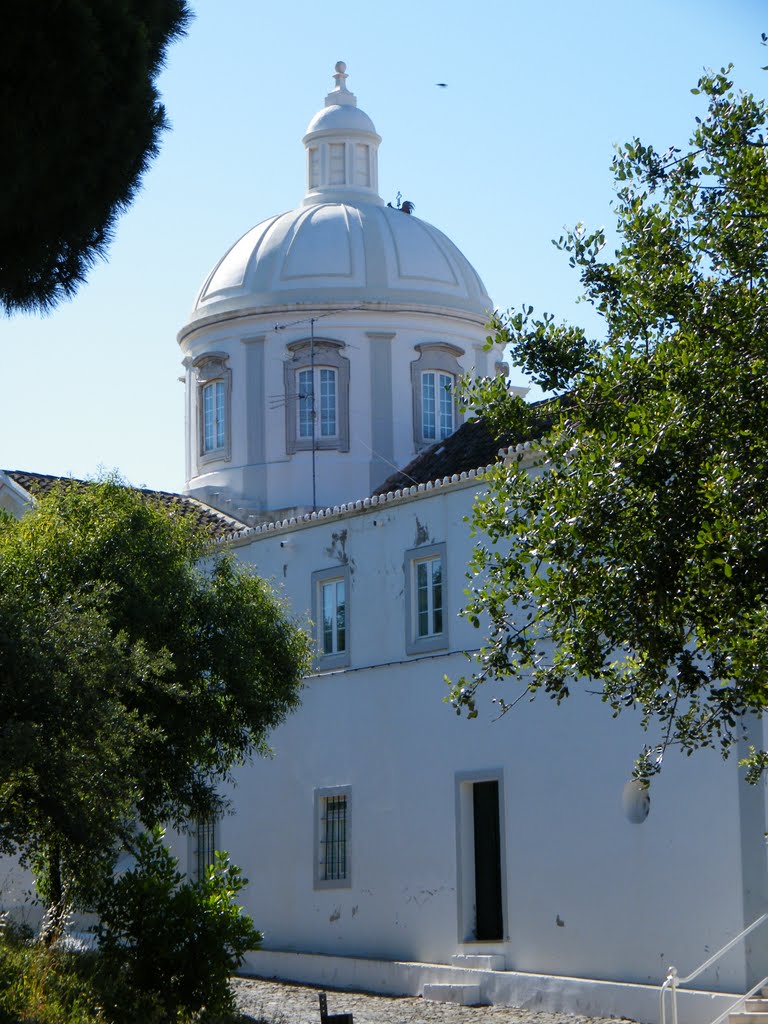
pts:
[340, 117]
[343, 245]
[343, 252]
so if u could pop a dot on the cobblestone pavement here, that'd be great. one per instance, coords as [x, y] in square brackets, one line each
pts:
[277, 1002]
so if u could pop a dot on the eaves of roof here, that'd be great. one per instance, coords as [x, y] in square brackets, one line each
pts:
[217, 524]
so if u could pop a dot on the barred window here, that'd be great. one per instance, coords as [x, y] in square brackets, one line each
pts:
[334, 852]
[205, 846]
[332, 836]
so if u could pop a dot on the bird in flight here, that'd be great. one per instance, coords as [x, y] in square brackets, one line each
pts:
[441, 85]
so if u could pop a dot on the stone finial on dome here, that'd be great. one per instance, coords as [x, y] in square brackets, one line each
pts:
[341, 76]
[340, 96]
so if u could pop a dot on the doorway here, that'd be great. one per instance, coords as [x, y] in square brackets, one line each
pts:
[480, 857]
[489, 920]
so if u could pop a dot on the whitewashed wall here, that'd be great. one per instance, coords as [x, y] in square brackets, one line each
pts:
[587, 893]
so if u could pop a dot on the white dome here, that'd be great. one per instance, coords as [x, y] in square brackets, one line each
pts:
[342, 252]
[395, 303]
[341, 118]
[343, 245]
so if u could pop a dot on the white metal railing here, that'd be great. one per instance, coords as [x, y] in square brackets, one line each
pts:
[673, 980]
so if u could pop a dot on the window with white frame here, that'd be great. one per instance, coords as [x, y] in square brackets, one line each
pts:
[433, 378]
[334, 630]
[429, 596]
[213, 406]
[316, 406]
[332, 838]
[214, 417]
[436, 405]
[425, 599]
[330, 612]
[317, 396]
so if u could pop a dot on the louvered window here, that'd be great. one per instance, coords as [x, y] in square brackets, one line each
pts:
[336, 163]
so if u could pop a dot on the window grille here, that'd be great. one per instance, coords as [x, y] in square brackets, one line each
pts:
[334, 838]
[205, 848]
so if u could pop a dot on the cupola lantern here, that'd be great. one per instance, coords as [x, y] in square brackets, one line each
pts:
[342, 148]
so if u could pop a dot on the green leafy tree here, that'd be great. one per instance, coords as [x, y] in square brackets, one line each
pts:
[131, 679]
[80, 121]
[626, 551]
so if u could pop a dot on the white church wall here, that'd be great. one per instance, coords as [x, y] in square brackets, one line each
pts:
[586, 893]
[257, 471]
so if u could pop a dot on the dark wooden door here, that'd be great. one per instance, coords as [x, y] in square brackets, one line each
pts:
[489, 918]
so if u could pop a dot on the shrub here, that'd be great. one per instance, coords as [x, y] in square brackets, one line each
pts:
[169, 945]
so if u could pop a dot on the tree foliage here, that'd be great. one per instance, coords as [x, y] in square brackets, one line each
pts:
[628, 551]
[80, 121]
[131, 678]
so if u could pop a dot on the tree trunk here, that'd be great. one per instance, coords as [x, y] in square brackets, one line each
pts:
[58, 908]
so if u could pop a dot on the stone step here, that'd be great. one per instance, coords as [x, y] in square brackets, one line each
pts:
[464, 995]
[479, 961]
[748, 1018]
[756, 1005]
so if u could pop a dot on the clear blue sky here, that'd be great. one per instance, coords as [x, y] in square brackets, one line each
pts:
[517, 146]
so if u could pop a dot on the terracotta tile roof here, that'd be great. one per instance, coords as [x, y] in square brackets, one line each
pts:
[218, 524]
[472, 446]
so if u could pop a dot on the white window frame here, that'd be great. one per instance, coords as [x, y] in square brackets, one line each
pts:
[326, 661]
[213, 375]
[326, 799]
[442, 415]
[417, 642]
[327, 356]
[216, 425]
[441, 359]
[315, 398]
